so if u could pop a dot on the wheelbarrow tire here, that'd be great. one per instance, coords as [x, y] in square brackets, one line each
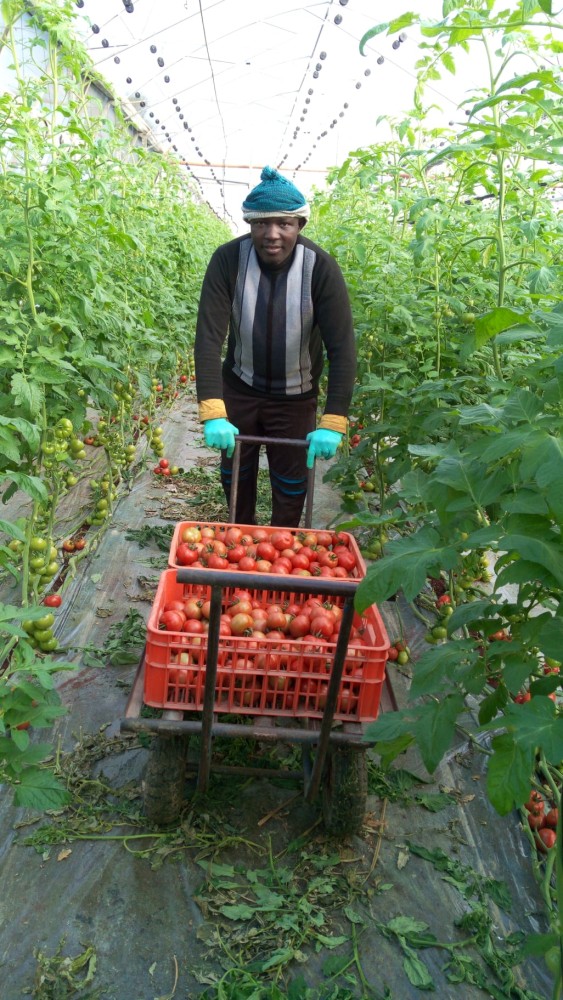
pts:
[164, 780]
[344, 790]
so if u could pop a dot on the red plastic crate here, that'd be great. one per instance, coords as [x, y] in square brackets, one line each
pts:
[261, 676]
[356, 573]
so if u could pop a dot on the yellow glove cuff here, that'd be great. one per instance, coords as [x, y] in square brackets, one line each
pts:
[211, 409]
[332, 422]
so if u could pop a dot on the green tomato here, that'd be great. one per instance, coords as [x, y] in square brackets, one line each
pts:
[71, 480]
[38, 544]
[28, 626]
[37, 562]
[49, 646]
[439, 632]
[50, 570]
[48, 448]
[102, 505]
[403, 657]
[64, 425]
[15, 545]
[43, 634]
[45, 622]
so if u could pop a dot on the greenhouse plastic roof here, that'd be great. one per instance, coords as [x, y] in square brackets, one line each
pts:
[231, 86]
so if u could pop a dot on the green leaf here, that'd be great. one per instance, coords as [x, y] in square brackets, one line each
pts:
[536, 724]
[539, 944]
[437, 667]
[26, 394]
[534, 550]
[417, 972]
[508, 774]
[435, 803]
[496, 321]
[238, 911]
[405, 567]
[448, 62]
[12, 530]
[371, 34]
[39, 789]
[435, 729]
[28, 484]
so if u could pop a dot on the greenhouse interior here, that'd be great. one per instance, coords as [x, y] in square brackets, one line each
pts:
[281, 468]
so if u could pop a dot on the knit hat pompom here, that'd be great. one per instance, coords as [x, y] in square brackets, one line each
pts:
[275, 195]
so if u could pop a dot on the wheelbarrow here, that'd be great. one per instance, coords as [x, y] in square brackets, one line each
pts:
[320, 701]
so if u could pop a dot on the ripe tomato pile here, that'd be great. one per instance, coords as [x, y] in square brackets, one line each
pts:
[245, 614]
[267, 550]
[273, 657]
[542, 821]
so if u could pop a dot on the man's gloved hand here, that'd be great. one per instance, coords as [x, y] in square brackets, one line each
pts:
[322, 444]
[220, 433]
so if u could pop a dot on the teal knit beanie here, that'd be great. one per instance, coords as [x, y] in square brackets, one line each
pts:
[274, 196]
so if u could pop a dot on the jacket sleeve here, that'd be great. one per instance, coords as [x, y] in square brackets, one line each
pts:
[211, 331]
[334, 318]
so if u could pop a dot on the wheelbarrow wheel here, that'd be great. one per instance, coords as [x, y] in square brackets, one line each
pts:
[344, 790]
[164, 780]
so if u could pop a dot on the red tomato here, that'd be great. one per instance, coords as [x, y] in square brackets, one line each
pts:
[322, 627]
[299, 626]
[329, 559]
[174, 606]
[192, 609]
[299, 561]
[235, 554]
[208, 532]
[68, 545]
[263, 566]
[243, 607]
[233, 535]
[215, 561]
[193, 626]
[164, 463]
[324, 538]
[240, 595]
[346, 559]
[275, 619]
[260, 534]
[246, 540]
[552, 818]
[281, 539]
[186, 555]
[547, 837]
[281, 566]
[219, 548]
[247, 564]
[52, 601]
[309, 538]
[265, 550]
[172, 621]
[298, 571]
[339, 573]
[392, 653]
[276, 633]
[225, 628]
[242, 624]
[306, 550]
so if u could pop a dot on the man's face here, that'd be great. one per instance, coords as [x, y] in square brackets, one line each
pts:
[274, 238]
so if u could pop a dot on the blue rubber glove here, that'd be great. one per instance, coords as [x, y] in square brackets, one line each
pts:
[322, 444]
[220, 433]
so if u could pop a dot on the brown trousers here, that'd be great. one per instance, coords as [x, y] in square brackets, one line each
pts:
[269, 417]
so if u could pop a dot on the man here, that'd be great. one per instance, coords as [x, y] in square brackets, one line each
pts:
[281, 299]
